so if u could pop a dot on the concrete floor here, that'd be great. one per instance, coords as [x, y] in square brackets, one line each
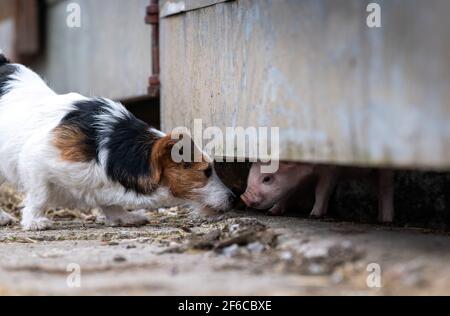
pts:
[180, 253]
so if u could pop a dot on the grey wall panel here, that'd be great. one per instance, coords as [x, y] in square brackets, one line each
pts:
[339, 91]
[109, 55]
[171, 7]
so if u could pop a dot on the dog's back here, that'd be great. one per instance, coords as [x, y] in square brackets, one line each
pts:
[18, 79]
[3, 60]
[5, 72]
[28, 109]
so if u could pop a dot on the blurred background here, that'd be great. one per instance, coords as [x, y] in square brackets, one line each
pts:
[108, 54]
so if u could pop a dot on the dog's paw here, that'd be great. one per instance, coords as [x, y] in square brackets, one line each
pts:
[6, 219]
[100, 219]
[127, 220]
[39, 223]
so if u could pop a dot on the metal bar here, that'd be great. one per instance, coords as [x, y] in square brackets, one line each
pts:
[152, 18]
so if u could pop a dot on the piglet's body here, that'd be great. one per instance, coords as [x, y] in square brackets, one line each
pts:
[272, 191]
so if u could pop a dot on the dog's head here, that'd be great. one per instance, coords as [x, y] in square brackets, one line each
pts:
[194, 180]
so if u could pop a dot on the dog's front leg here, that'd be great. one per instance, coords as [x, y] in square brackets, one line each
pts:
[117, 216]
[33, 217]
[6, 219]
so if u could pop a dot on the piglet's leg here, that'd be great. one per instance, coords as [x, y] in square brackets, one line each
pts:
[385, 196]
[279, 208]
[324, 190]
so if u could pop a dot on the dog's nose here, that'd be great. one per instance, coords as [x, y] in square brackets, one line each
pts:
[232, 199]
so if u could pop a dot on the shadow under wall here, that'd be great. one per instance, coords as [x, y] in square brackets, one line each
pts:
[422, 199]
[146, 109]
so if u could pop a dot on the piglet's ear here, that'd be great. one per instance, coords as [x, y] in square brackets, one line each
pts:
[160, 156]
[286, 166]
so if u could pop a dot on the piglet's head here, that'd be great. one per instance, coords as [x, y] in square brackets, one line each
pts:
[264, 190]
[192, 180]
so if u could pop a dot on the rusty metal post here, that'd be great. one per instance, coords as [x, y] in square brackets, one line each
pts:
[152, 18]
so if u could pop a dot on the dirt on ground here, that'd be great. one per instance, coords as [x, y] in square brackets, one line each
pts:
[239, 253]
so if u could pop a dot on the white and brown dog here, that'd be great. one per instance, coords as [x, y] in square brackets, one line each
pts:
[77, 152]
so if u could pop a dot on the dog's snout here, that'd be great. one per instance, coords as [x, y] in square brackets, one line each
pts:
[233, 199]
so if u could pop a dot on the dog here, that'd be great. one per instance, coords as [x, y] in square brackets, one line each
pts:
[73, 151]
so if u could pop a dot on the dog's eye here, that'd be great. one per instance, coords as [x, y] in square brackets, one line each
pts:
[208, 172]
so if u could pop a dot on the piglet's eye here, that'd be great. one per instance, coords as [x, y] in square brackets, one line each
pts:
[208, 172]
[267, 179]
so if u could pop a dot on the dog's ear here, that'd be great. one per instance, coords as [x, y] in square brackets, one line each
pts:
[160, 156]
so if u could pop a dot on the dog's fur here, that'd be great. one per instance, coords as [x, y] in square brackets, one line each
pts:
[77, 152]
[5, 218]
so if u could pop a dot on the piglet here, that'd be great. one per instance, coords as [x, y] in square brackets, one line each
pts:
[273, 190]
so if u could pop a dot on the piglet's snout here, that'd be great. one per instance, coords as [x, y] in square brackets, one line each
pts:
[250, 199]
[245, 199]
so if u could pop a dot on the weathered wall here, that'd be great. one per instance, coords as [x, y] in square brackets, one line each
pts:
[7, 27]
[110, 55]
[339, 91]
